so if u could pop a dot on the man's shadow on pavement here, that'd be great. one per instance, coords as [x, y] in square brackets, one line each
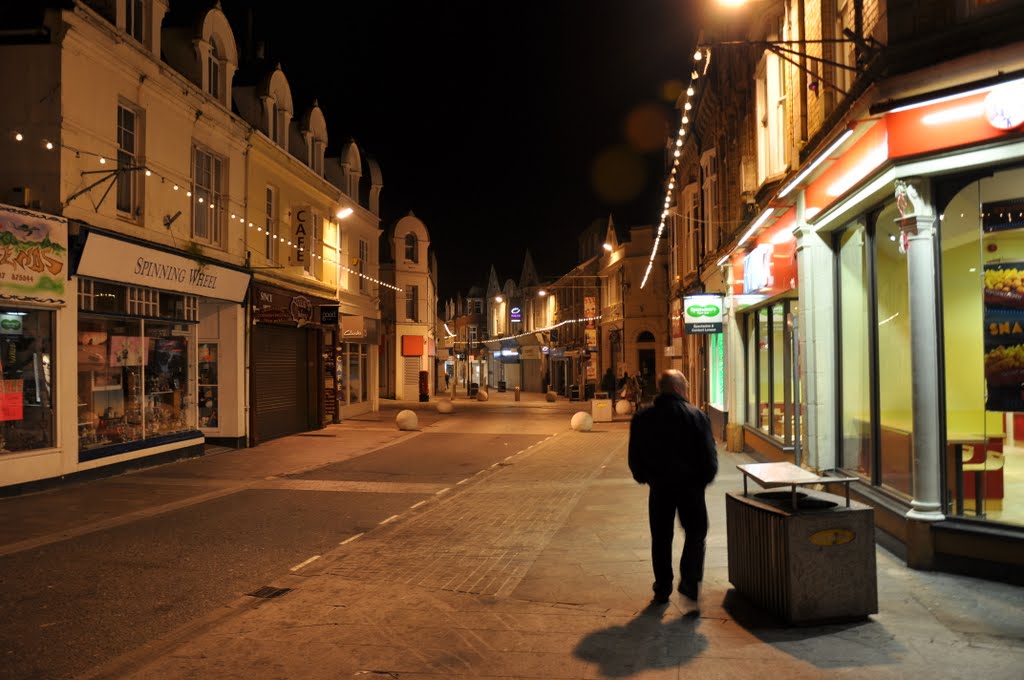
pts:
[656, 638]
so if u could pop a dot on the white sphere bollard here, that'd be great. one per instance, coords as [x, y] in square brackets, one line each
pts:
[623, 407]
[481, 395]
[445, 405]
[406, 420]
[550, 396]
[582, 421]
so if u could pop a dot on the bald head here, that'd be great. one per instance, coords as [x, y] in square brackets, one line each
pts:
[673, 382]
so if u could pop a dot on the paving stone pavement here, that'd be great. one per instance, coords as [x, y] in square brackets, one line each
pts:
[539, 568]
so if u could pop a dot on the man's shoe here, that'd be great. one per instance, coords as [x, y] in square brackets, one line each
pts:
[660, 598]
[688, 590]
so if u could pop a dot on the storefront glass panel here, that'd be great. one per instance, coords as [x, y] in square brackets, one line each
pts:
[751, 350]
[780, 373]
[895, 378]
[854, 357]
[764, 363]
[982, 243]
[26, 390]
[716, 371]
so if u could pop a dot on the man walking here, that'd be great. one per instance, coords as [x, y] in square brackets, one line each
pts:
[672, 450]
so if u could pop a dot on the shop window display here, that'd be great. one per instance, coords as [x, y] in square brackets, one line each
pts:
[26, 388]
[132, 380]
[982, 246]
[207, 387]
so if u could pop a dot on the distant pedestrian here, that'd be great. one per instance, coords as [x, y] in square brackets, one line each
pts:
[672, 450]
[447, 381]
[630, 391]
[608, 383]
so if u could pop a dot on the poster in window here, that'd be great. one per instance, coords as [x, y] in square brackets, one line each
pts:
[125, 350]
[1004, 360]
[12, 399]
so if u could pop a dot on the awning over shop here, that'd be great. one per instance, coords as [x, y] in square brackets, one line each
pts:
[492, 345]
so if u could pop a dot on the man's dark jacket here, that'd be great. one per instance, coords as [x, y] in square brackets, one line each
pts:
[670, 443]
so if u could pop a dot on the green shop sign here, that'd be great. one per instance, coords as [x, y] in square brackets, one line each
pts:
[702, 314]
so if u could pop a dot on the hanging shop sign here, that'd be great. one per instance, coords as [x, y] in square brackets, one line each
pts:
[116, 260]
[516, 314]
[703, 314]
[33, 254]
[359, 329]
[328, 315]
[302, 236]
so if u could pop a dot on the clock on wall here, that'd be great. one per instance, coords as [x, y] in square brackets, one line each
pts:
[1004, 106]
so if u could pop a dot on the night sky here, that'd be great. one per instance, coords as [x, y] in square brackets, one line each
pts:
[503, 126]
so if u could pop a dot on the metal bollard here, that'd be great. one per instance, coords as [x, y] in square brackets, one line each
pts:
[517, 393]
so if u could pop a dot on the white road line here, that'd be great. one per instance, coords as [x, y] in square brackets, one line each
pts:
[507, 457]
[300, 566]
[389, 519]
[444, 490]
[462, 481]
[350, 539]
[413, 507]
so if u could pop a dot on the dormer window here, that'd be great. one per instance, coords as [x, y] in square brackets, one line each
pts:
[411, 248]
[134, 19]
[215, 72]
[274, 130]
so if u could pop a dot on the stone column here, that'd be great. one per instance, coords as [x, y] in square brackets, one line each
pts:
[917, 223]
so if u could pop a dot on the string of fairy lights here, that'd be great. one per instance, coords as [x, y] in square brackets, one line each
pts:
[584, 319]
[701, 63]
[184, 185]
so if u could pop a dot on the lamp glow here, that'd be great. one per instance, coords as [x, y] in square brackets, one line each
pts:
[343, 213]
[607, 247]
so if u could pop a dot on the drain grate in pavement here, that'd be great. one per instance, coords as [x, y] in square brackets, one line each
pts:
[267, 592]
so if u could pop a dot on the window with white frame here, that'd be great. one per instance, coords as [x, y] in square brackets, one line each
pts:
[215, 72]
[134, 19]
[691, 227]
[129, 198]
[207, 211]
[270, 221]
[472, 335]
[364, 255]
[412, 303]
[709, 200]
[771, 117]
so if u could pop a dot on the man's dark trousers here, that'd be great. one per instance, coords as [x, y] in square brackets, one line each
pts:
[663, 503]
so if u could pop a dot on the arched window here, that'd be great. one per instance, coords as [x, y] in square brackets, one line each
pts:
[646, 336]
[215, 71]
[412, 253]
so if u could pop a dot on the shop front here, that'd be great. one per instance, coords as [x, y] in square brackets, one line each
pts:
[33, 305]
[765, 306]
[291, 371]
[159, 348]
[923, 219]
[355, 365]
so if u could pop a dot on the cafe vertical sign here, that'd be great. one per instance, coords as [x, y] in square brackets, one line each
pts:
[703, 314]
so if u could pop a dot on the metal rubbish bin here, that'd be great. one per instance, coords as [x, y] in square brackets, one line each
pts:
[473, 388]
[601, 410]
[811, 563]
[574, 392]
